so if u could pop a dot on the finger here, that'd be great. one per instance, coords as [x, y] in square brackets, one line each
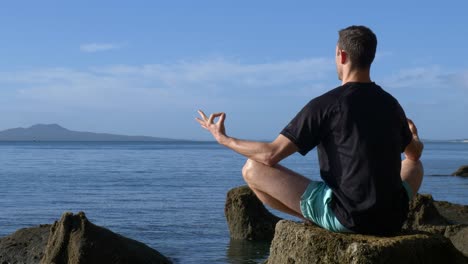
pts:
[201, 122]
[205, 127]
[202, 115]
[222, 118]
[213, 116]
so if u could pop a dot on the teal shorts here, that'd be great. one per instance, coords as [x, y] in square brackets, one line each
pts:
[315, 206]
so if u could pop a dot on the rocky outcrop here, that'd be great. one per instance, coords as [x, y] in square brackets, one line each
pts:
[423, 212]
[74, 240]
[441, 218]
[301, 243]
[454, 213]
[462, 171]
[25, 245]
[247, 217]
[435, 232]
[428, 236]
[458, 235]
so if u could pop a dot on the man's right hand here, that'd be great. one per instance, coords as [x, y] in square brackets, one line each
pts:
[414, 149]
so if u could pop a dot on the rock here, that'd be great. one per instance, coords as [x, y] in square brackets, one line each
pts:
[75, 240]
[462, 171]
[247, 217]
[25, 245]
[422, 212]
[301, 243]
[435, 232]
[441, 218]
[457, 215]
[458, 235]
[454, 213]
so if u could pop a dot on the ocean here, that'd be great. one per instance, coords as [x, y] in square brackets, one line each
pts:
[169, 195]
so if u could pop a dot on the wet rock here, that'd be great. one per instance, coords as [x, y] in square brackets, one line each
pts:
[25, 245]
[75, 240]
[301, 243]
[462, 171]
[247, 217]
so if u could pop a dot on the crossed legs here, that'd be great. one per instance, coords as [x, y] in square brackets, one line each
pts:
[282, 188]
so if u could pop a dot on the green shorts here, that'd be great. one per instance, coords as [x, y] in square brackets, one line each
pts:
[315, 206]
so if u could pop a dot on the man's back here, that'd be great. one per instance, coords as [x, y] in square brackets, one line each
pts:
[364, 159]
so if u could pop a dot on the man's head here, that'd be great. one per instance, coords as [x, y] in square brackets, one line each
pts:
[356, 48]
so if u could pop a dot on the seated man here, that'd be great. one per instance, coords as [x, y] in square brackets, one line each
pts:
[360, 131]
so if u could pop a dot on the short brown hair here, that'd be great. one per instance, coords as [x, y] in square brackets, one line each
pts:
[360, 43]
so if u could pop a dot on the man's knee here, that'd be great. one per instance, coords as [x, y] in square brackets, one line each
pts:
[248, 171]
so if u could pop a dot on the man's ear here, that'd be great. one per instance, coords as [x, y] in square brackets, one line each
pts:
[344, 57]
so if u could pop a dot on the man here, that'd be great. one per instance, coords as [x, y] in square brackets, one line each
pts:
[360, 132]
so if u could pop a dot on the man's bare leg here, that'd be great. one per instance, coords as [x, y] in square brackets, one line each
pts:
[277, 186]
[275, 204]
[412, 172]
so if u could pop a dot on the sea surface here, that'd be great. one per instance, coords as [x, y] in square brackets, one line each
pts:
[169, 195]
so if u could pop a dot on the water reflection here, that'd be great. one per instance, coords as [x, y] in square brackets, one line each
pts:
[247, 252]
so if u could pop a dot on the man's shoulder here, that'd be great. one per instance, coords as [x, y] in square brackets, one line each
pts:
[326, 100]
[331, 95]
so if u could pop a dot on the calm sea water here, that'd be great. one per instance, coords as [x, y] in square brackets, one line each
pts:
[168, 195]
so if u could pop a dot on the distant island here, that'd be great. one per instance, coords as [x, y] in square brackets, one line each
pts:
[54, 132]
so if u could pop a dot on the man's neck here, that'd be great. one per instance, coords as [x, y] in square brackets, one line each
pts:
[362, 76]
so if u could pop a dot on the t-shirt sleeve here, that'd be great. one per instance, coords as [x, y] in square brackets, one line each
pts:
[303, 130]
[406, 135]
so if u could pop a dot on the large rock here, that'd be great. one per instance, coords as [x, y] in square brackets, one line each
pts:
[462, 171]
[435, 224]
[25, 245]
[301, 243]
[74, 240]
[247, 217]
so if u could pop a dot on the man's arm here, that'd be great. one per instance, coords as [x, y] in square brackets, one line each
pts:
[414, 149]
[267, 153]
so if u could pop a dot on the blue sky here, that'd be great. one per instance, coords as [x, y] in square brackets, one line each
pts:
[145, 67]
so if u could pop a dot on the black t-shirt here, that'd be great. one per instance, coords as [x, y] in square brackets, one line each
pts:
[360, 132]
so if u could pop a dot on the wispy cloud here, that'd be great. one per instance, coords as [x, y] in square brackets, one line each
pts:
[431, 78]
[97, 47]
[155, 95]
[164, 92]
